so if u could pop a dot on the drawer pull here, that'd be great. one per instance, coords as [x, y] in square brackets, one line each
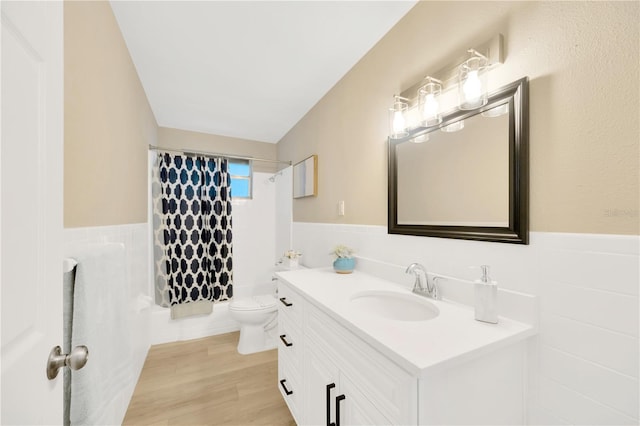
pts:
[284, 388]
[329, 387]
[339, 399]
[282, 337]
[284, 302]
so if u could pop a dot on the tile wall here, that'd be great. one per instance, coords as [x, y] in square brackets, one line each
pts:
[254, 236]
[135, 238]
[584, 362]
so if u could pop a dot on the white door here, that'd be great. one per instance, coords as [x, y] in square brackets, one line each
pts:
[31, 158]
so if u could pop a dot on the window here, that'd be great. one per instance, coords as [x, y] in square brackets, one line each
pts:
[241, 178]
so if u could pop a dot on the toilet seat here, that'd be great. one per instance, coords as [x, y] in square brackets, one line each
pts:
[255, 303]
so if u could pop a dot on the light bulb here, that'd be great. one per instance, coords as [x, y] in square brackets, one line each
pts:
[428, 101]
[398, 122]
[431, 106]
[453, 127]
[420, 139]
[397, 118]
[472, 87]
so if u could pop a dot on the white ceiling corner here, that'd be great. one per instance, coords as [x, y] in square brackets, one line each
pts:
[247, 69]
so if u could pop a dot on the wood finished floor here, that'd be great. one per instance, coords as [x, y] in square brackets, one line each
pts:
[206, 382]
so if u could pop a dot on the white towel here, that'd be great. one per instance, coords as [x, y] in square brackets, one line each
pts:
[100, 322]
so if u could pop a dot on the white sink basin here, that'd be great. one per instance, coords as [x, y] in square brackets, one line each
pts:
[395, 306]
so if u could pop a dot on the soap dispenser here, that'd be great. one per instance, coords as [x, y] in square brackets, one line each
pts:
[486, 298]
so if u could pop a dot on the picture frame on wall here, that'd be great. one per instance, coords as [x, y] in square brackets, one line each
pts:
[305, 177]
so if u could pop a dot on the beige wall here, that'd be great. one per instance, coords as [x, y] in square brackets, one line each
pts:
[109, 125]
[186, 140]
[582, 60]
[108, 122]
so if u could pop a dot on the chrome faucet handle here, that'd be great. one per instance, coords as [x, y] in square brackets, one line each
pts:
[436, 291]
[435, 294]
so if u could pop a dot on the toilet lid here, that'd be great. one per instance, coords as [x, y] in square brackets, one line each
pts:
[264, 301]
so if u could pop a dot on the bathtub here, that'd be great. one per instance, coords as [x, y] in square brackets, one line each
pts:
[165, 330]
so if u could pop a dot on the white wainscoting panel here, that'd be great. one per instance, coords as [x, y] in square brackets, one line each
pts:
[135, 238]
[584, 363]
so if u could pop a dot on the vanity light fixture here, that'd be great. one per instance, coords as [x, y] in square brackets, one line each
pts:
[420, 138]
[397, 117]
[472, 84]
[453, 127]
[496, 111]
[419, 108]
[429, 103]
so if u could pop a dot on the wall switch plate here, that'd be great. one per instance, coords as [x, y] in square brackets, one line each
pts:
[340, 208]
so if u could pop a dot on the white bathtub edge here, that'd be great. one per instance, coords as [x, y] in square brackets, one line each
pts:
[166, 330]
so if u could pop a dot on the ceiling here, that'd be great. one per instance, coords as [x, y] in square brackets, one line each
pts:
[247, 69]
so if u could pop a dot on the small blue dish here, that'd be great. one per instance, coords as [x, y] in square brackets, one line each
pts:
[344, 265]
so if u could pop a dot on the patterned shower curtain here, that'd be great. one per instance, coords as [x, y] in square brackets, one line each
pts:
[192, 232]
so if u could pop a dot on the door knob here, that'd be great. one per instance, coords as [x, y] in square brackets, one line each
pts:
[75, 360]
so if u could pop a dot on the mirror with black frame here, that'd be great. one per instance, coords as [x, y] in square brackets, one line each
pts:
[467, 177]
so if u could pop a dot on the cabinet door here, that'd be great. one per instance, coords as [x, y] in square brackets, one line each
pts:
[324, 384]
[290, 386]
[355, 408]
[320, 387]
[391, 390]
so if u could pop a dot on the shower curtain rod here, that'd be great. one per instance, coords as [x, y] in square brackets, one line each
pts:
[216, 154]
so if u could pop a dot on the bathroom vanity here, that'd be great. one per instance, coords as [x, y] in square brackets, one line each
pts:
[357, 349]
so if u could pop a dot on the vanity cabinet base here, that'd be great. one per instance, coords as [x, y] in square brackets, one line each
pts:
[333, 376]
[489, 390]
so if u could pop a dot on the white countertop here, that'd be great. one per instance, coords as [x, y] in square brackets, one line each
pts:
[419, 347]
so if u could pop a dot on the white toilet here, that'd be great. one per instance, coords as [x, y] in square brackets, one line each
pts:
[256, 316]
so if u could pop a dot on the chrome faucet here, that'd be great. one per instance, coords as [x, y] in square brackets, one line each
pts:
[427, 290]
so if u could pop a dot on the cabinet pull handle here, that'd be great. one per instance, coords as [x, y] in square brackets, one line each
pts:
[282, 337]
[329, 387]
[284, 302]
[287, 391]
[339, 399]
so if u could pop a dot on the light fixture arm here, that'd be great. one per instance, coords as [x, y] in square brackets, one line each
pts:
[430, 79]
[492, 50]
[476, 53]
